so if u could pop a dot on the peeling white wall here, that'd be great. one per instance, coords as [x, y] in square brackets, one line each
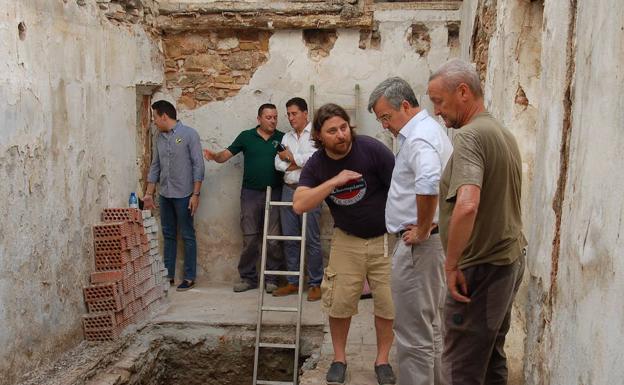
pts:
[574, 317]
[67, 149]
[290, 72]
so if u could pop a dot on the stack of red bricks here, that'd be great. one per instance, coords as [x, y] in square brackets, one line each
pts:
[127, 284]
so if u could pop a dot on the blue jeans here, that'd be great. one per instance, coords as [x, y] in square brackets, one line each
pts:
[291, 225]
[174, 212]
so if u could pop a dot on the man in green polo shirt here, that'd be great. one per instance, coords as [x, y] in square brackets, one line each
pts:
[259, 146]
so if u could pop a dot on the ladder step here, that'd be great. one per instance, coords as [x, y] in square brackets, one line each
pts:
[279, 203]
[279, 346]
[284, 237]
[280, 308]
[280, 272]
[263, 382]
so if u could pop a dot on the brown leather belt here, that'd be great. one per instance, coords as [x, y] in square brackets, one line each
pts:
[292, 185]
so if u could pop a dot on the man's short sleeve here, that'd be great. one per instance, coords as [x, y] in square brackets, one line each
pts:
[308, 177]
[468, 163]
[238, 144]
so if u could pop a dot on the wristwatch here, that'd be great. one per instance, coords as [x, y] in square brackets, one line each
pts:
[196, 193]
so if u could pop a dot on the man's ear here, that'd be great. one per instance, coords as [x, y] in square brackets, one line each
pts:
[463, 91]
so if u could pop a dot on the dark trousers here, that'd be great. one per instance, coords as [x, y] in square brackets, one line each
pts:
[291, 225]
[475, 332]
[252, 224]
[174, 212]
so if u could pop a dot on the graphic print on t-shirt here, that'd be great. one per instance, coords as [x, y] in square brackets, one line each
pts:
[350, 193]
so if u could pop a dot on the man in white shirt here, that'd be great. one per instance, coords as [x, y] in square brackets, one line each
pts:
[418, 280]
[298, 147]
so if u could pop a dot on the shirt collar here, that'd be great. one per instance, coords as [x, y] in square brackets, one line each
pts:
[307, 128]
[412, 123]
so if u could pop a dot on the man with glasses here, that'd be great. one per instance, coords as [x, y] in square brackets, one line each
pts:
[258, 144]
[297, 148]
[418, 260]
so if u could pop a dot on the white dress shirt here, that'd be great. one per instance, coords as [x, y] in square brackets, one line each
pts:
[302, 148]
[424, 150]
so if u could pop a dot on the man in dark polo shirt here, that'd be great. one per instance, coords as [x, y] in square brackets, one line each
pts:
[259, 146]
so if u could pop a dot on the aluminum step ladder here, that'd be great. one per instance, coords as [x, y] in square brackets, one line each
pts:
[262, 308]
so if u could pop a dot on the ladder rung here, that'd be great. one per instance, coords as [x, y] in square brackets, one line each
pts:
[279, 346]
[280, 308]
[284, 237]
[280, 272]
[278, 203]
[263, 382]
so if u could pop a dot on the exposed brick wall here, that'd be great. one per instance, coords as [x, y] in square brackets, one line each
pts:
[212, 65]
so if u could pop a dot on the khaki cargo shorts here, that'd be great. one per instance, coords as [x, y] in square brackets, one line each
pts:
[351, 260]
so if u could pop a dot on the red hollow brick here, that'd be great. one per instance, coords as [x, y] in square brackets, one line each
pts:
[101, 292]
[143, 274]
[112, 230]
[121, 214]
[106, 276]
[99, 321]
[114, 260]
[109, 334]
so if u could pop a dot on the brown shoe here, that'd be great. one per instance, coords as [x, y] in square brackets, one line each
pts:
[314, 293]
[286, 290]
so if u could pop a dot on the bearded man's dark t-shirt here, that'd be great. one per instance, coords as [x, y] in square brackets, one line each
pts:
[359, 206]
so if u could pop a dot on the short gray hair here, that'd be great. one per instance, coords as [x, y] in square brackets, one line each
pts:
[456, 71]
[395, 90]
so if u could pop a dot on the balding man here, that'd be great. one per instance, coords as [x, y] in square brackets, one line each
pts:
[481, 229]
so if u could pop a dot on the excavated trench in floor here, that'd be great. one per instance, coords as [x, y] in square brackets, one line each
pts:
[183, 354]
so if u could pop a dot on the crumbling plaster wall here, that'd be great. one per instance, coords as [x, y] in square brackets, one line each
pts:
[573, 213]
[67, 149]
[288, 72]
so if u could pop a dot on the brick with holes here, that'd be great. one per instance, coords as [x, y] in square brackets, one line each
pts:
[121, 214]
[107, 276]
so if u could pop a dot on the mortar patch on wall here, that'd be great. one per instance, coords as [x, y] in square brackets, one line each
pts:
[319, 42]
[212, 65]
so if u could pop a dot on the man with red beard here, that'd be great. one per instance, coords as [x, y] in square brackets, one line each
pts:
[353, 176]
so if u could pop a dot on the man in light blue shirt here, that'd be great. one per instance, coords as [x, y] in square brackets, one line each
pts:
[178, 166]
[418, 287]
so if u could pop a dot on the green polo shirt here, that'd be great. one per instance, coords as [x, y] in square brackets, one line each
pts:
[259, 167]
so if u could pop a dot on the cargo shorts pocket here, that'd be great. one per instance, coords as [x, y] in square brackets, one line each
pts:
[328, 288]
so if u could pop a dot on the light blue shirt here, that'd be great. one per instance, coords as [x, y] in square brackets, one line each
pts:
[177, 161]
[424, 150]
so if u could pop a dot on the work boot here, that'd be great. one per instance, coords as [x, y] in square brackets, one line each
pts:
[270, 287]
[385, 375]
[314, 293]
[337, 373]
[243, 286]
[286, 290]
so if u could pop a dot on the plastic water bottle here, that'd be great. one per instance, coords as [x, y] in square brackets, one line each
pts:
[133, 202]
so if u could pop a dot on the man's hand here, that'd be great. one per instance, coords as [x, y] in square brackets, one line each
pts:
[345, 177]
[209, 155]
[286, 155]
[193, 204]
[414, 235]
[148, 202]
[455, 280]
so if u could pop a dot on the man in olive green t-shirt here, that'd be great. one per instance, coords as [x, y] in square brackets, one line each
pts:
[259, 146]
[480, 227]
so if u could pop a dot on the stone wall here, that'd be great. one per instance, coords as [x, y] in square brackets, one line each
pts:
[67, 150]
[212, 65]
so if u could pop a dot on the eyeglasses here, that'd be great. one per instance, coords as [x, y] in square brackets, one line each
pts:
[385, 118]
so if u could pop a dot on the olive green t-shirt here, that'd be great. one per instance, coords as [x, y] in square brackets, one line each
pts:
[486, 154]
[258, 166]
